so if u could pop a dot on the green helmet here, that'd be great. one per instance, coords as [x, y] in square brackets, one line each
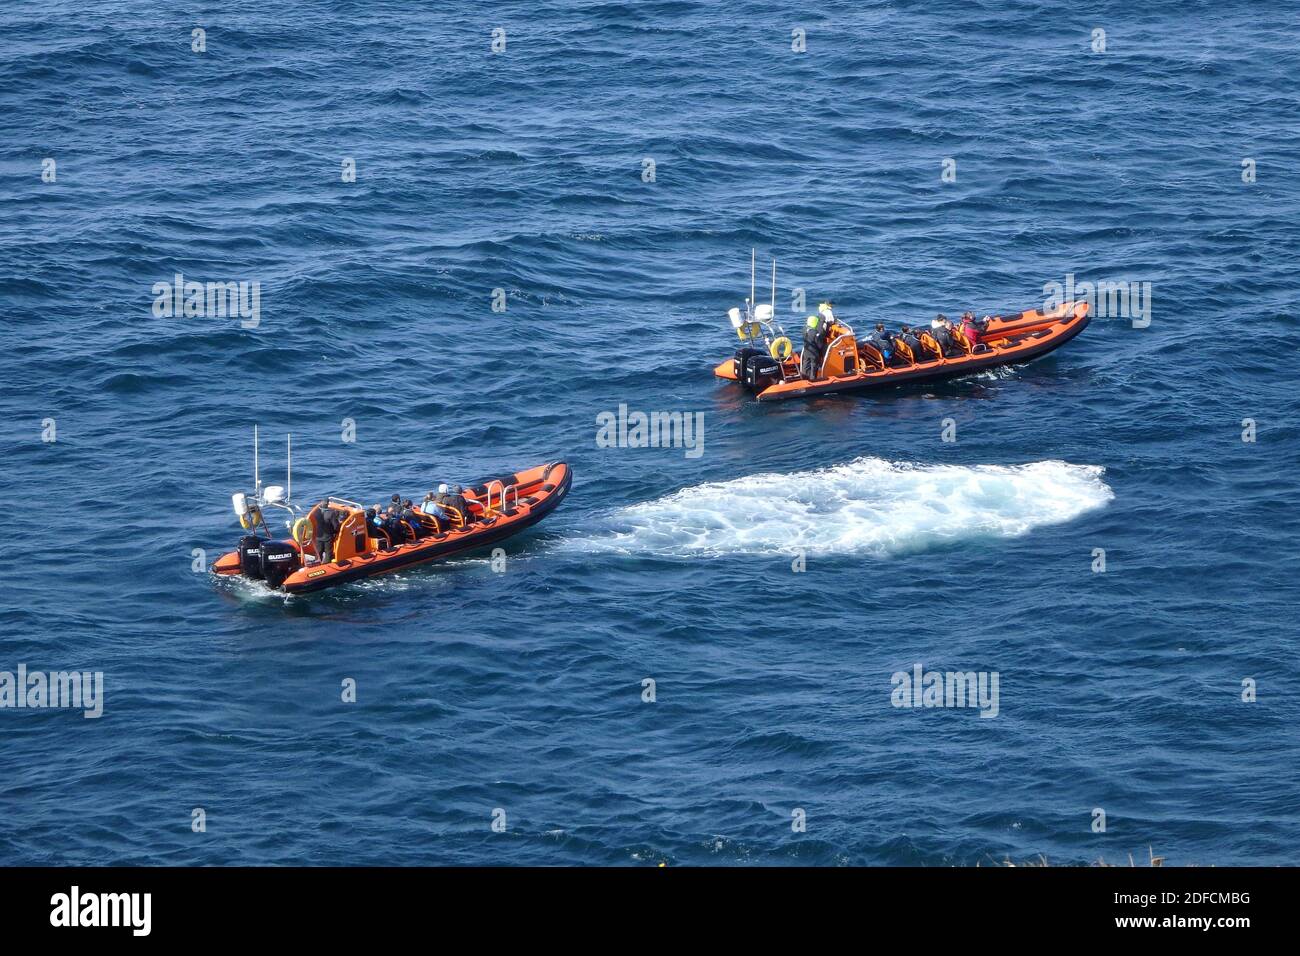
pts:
[814, 321]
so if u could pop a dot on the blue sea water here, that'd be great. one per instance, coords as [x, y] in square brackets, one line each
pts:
[524, 171]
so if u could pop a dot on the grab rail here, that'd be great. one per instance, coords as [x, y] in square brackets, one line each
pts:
[487, 494]
[504, 489]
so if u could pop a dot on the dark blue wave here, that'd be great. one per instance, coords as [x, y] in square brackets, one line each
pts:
[523, 171]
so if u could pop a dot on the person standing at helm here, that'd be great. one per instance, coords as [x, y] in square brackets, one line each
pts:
[326, 525]
[830, 328]
[814, 343]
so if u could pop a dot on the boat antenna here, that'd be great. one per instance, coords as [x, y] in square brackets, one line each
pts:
[288, 469]
[257, 479]
[774, 288]
[752, 253]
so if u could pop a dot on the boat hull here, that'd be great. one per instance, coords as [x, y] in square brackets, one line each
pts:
[540, 491]
[1028, 336]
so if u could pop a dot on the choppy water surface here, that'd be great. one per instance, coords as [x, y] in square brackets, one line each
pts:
[523, 171]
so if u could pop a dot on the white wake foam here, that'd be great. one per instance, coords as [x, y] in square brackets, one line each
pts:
[868, 506]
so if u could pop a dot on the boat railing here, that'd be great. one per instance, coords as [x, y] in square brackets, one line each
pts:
[505, 490]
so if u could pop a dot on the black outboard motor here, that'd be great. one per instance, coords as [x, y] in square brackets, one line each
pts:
[739, 360]
[279, 560]
[250, 556]
[762, 371]
[756, 369]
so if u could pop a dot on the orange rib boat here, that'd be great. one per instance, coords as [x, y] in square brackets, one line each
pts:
[498, 508]
[849, 365]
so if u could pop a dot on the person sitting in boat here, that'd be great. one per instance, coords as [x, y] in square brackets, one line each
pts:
[432, 504]
[411, 519]
[393, 524]
[376, 528]
[942, 333]
[456, 503]
[438, 505]
[423, 525]
[882, 341]
[940, 321]
[908, 337]
[967, 329]
[404, 526]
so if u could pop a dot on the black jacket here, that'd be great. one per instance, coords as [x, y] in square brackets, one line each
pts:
[328, 522]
